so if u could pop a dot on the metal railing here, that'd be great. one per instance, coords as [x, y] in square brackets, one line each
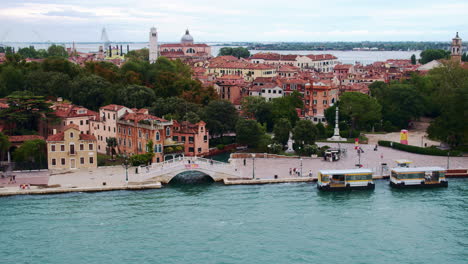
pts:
[186, 164]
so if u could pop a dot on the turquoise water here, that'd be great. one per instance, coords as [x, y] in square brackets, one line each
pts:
[284, 223]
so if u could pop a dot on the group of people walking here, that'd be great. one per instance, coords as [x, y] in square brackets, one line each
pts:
[297, 172]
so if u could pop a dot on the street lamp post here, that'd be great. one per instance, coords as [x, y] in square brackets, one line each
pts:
[253, 167]
[126, 165]
[301, 168]
[448, 160]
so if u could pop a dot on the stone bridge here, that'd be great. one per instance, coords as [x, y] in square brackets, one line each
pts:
[164, 172]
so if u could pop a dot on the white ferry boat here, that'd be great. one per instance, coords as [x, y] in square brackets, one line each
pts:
[360, 179]
[402, 177]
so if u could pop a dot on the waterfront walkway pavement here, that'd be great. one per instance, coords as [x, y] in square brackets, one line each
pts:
[267, 168]
[113, 178]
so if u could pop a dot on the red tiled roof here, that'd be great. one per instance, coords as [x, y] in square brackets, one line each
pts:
[66, 110]
[288, 68]
[112, 107]
[74, 126]
[60, 137]
[319, 57]
[139, 116]
[274, 56]
[24, 138]
[343, 66]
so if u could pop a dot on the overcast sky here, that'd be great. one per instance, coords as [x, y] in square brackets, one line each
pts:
[235, 20]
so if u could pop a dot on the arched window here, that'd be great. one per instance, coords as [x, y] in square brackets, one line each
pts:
[172, 50]
[190, 50]
[158, 136]
[168, 131]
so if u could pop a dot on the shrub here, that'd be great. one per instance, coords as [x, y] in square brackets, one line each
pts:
[169, 150]
[220, 146]
[414, 149]
[141, 159]
[275, 148]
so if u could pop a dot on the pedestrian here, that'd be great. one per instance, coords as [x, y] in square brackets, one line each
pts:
[244, 162]
[310, 173]
[14, 178]
[290, 171]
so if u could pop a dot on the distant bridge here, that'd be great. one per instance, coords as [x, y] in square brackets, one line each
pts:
[164, 172]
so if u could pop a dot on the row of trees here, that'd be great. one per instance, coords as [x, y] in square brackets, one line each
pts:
[239, 52]
[441, 95]
[31, 52]
[136, 84]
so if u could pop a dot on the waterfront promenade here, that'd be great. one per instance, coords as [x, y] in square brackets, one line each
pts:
[267, 168]
[113, 178]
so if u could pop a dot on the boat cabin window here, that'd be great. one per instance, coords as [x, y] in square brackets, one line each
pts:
[324, 178]
[359, 177]
[337, 178]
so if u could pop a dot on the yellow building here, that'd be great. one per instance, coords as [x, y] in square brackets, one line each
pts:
[71, 150]
[228, 65]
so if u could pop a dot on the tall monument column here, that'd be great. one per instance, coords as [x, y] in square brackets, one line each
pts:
[153, 45]
[456, 49]
[336, 135]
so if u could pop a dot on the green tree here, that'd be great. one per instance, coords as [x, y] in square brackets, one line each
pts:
[239, 52]
[62, 65]
[433, 54]
[141, 54]
[464, 57]
[304, 133]
[281, 130]
[32, 151]
[111, 145]
[451, 126]
[192, 117]
[90, 91]
[220, 117]
[401, 103]
[47, 83]
[413, 59]
[362, 109]
[25, 112]
[249, 132]
[12, 79]
[176, 107]
[57, 51]
[4, 146]
[136, 96]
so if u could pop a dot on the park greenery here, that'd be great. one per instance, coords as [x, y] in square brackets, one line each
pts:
[433, 54]
[238, 52]
[441, 95]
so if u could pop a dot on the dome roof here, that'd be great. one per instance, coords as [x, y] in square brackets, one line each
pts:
[187, 38]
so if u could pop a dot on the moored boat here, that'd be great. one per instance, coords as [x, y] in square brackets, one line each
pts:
[353, 179]
[418, 177]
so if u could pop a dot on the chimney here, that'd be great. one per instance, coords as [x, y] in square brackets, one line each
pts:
[54, 131]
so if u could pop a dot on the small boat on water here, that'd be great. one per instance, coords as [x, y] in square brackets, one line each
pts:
[404, 177]
[353, 179]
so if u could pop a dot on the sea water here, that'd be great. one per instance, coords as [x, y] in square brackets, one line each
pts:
[213, 223]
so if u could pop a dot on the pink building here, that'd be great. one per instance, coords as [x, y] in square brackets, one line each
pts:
[195, 137]
[105, 126]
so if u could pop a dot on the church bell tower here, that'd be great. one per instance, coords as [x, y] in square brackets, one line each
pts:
[456, 49]
[153, 45]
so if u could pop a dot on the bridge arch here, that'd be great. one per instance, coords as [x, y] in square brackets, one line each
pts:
[191, 176]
